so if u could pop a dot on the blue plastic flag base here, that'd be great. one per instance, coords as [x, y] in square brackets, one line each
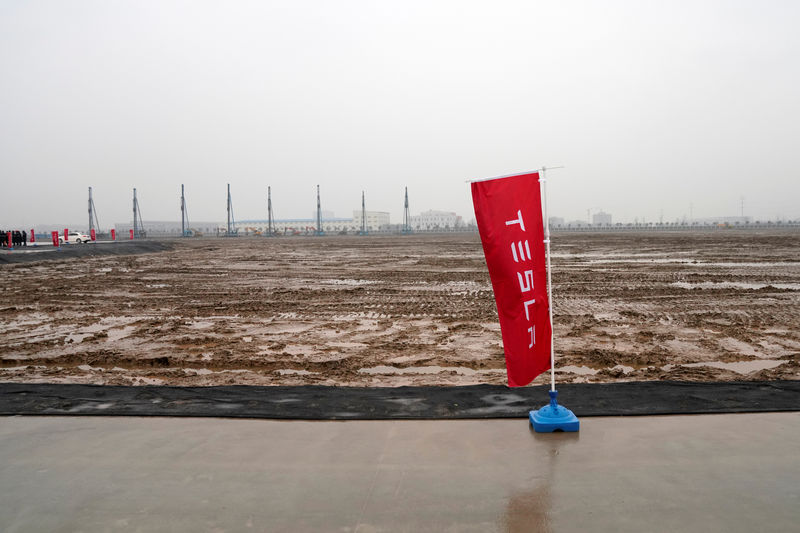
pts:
[553, 417]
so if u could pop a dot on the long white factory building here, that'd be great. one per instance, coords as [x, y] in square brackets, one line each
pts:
[375, 221]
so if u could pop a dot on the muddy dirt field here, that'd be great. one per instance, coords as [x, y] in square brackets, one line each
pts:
[403, 310]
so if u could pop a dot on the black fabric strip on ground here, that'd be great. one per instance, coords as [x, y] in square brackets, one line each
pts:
[351, 403]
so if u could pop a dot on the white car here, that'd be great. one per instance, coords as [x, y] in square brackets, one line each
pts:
[75, 237]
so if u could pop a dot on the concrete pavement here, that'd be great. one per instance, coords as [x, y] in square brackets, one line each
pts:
[674, 473]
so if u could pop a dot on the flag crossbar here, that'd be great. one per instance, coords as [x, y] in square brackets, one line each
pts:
[543, 169]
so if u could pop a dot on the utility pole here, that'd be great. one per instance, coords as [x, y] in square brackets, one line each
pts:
[184, 215]
[270, 220]
[363, 215]
[406, 217]
[742, 199]
[135, 208]
[94, 224]
[231, 221]
[319, 214]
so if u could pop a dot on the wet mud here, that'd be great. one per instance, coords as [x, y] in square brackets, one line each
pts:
[401, 310]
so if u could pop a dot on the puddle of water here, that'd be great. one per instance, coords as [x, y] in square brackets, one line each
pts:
[157, 285]
[382, 369]
[197, 371]
[90, 407]
[735, 345]
[733, 285]
[347, 344]
[612, 255]
[404, 359]
[450, 286]
[348, 282]
[76, 338]
[764, 264]
[199, 324]
[148, 381]
[464, 285]
[94, 328]
[121, 333]
[289, 371]
[277, 329]
[367, 325]
[654, 260]
[670, 260]
[580, 370]
[740, 367]
[33, 319]
[300, 349]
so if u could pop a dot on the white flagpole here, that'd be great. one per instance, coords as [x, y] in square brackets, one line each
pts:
[552, 417]
[543, 182]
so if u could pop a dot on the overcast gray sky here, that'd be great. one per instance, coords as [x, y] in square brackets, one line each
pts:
[651, 106]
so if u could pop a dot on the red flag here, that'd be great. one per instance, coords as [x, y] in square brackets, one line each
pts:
[509, 215]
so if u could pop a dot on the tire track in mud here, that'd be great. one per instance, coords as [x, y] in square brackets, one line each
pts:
[267, 311]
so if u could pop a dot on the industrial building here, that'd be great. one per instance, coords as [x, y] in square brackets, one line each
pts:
[436, 220]
[731, 220]
[601, 218]
[160, 228]
[375, 221]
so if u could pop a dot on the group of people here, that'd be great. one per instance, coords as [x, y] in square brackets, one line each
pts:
[18, 238]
